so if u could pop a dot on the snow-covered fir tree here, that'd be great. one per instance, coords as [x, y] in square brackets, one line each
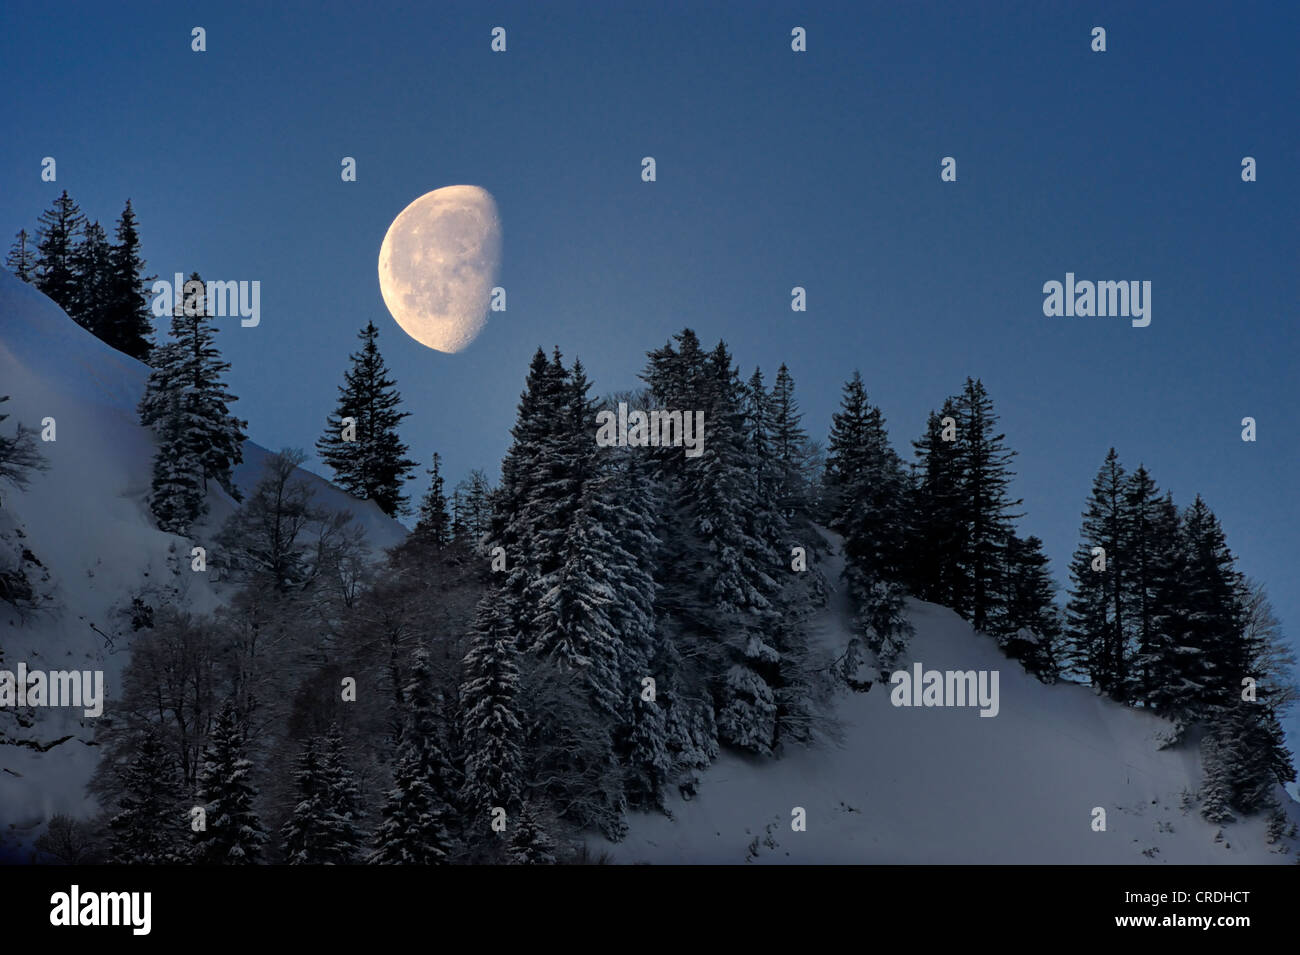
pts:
[306, 839]
[435, 524]
[176, 495]
[151, 821]
[345, 809]
[187, 405]
[529, 842]
[1201, 651]
[1216, 782]
[1271, 662]
[721, 598]
[572, 624]
[490, 704]
[541, 482]
[865, 488]
[648, 762]
[233, 833]
[372, 463]
[418, 813]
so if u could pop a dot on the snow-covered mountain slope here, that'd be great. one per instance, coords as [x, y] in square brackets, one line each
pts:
[86, 519]
[904, 784]
[945, 785]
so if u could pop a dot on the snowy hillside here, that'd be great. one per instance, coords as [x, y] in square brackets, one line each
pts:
[904, 785]
[87, 521]
[945, 785]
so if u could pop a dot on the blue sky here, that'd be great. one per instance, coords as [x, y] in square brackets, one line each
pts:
[775, 169]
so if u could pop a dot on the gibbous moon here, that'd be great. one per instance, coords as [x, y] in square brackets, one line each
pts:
[438, 263]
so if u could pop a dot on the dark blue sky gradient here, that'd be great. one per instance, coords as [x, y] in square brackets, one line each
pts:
[774, 169]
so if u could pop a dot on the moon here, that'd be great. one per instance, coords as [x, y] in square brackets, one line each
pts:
[438, 264]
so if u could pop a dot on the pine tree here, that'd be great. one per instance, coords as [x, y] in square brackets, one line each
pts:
[126, 324]
[1200, 652]
[572, 623]
[91, 262]
[780, 517]
[176, 491]
[793, 455]
[845, 452]
[865, 490]
[490, 727]
[540, 488]
[306, 834]
[1216, 788]
[986, 504]
[768, 527]
[936, 538]
[218, 435]
[1216, 622]
[529, 844]
[1271, 661]
[1249, 758]
[648, 761]
[726, 517]
[186, 381]
[234, 834]
[434, 524]
[1149, 544]
[1168, 599]
[721, 606]
[417, 815]
[691, 731]
[1096, 610]
[56, 241]
[590, 623]
[1249, 745]
[1034, 624]
[346, 810]
[324, 828]
[865, 485]
[459, 524]
[474, 500]
[624, 503]
[374, 465]
[150, 822]
[21, 260]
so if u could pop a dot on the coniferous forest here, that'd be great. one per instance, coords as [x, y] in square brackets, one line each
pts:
[577, 632]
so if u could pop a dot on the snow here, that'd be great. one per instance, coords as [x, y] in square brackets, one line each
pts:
[904, 785]
[943, 785]
[87, 520]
